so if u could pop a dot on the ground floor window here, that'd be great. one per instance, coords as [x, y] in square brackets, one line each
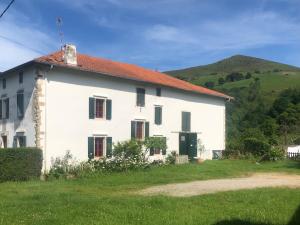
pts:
[19, 141]
[157, 150]
[4, 141]
[99, 147]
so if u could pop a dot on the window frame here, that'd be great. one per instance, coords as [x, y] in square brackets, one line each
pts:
[5, 108]
[3, 83]
[143, 129]
[104, 108]
[21, 77]
[104, 146]
[21, 116]
[158, 91]
[138, 104]
[160, 120]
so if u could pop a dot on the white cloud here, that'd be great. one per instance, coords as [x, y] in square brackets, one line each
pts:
[21, 40]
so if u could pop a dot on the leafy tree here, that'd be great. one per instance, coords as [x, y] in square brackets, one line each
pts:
[209, 84]
[221, 81]
[248, 75]
[235, 76]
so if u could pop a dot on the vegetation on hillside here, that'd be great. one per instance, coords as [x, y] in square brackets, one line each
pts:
[266, 105]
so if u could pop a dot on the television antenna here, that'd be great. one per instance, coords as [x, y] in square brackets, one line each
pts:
[59, 23]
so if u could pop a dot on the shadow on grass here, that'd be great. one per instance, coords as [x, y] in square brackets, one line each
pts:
[295, 220]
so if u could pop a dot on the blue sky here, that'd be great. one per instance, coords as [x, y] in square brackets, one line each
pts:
[157, 34]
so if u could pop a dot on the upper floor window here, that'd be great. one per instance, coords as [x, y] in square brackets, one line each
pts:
[140, 97]
[186, 121]
[139, 130]
[158, 115]
[4, 108]
[21, 77]
[100, 108]
[158, 92]
[20, 104]
[3, 83]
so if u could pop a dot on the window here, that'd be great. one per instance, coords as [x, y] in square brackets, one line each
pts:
[20, 104]
[186, 121]
[3, 83]
[100, 108]
[139, 130]
[157, 150]
[158, 92]
[21, 77]
[158, 115]
[4, 141]
[99, 146]
[5, 109]
[19, 141]
[140, 97]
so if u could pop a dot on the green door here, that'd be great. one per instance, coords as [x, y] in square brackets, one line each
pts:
[188, 144]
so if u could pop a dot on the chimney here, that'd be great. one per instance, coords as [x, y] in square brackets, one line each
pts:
[69, 55]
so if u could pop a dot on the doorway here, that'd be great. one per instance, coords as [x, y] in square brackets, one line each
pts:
[188, 144]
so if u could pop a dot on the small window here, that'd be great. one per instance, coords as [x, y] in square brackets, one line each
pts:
[158, 115]
[20, 104]
[19, 141]
[3, 83]
[4, 141]
[139, 130]
[21, 77]
[158, 92]
[186, 121]
[5, 108]
[99, 108]
[99, 147]
[140, 97]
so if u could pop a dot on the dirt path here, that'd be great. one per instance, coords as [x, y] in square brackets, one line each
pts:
[212, 186]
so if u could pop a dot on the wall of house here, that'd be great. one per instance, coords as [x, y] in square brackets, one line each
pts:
[67, 113]
[26, 126]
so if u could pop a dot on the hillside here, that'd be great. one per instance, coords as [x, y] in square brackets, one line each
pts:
[237, 63]
[256, 84]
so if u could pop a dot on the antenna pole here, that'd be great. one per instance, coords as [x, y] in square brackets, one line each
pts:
[59, 24]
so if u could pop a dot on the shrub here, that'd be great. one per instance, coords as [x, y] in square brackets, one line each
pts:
[248, 75]
[274, 154]
[128, 149]
[256, 147]
[20, 164]
[64, 167]
[209, 84]
[171, 158]
[297, 141]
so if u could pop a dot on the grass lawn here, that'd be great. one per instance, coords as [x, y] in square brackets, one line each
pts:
[109, 199]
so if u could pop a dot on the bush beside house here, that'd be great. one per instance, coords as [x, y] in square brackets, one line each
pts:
[19, 164]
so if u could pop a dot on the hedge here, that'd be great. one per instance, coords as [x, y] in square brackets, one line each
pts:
[20, 164]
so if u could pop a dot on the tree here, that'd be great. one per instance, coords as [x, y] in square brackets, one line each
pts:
[248, 75]
[234, 76]
[221, 81]
[209, 84]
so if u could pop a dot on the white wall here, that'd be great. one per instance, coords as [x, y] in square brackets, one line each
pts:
[67, 113]
[13, 125]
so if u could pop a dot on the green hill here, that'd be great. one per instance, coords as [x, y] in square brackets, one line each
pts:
[256, 86]
[237, 63]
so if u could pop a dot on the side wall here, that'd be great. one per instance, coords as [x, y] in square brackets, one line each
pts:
[26, 126]
[67, 113]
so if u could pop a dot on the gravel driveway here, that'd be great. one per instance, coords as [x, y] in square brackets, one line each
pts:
[258, 180]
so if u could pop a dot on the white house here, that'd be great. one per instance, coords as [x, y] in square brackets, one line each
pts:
[70, 101]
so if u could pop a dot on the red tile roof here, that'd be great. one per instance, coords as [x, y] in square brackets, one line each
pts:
[127, 71]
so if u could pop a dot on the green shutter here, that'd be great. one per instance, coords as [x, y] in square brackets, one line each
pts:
[20, 105]
[90, 147]
[108, 109]
[92, 108]
[151, 151]
[146, 129]
[158, 115]
[186, 121]
[164, 151]
[140, 100]
[133, 125]
[7, 108]
[0, 109]
[108, 147]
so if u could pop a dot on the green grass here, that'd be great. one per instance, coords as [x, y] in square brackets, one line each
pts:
[110, 199]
